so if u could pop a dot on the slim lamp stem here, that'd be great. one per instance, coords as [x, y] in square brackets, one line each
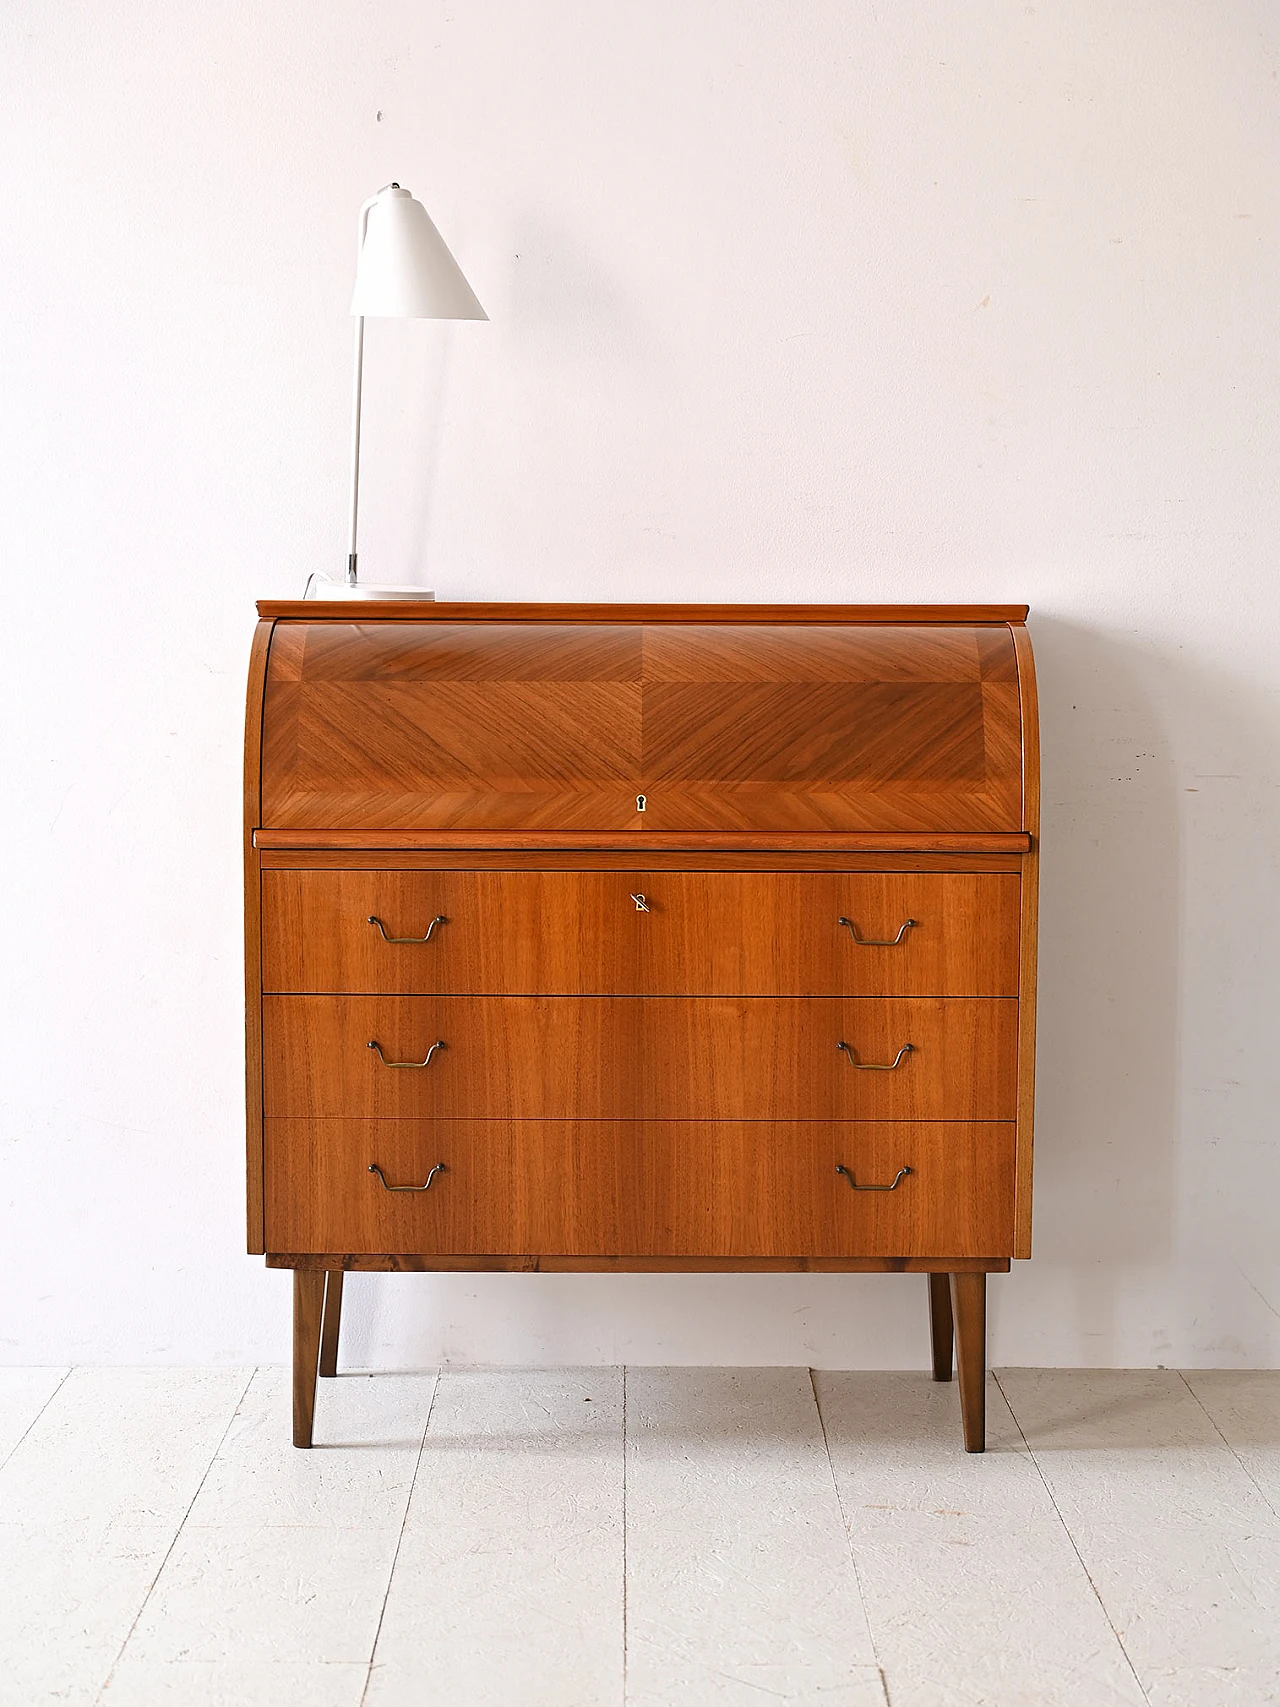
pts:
[362, 225]
[355, 450]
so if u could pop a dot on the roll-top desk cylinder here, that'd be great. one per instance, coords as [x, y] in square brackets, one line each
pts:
[641, 937]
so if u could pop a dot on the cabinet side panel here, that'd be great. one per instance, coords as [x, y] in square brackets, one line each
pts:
[253, 936]
[1028, 939]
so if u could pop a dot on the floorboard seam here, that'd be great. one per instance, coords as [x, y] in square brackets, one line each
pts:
[66, 1374]
[395, 1557]
[1066, 1530]
[1231, 1449]
[182, 1524]
[848, 1538]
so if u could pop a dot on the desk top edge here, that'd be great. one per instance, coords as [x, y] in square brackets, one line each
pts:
[443, 610]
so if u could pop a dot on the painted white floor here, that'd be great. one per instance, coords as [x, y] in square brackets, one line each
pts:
[638, 1538]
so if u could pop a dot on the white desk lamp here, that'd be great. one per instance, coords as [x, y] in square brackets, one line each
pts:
[404, 271]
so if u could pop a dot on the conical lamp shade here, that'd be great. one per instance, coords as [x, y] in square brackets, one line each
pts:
[405, 270]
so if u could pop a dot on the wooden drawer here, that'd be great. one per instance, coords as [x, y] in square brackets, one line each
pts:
[506, 1188]
[490, 932]
[627, 1058]
[724, 1188]
[758, 1188]
[581, 933]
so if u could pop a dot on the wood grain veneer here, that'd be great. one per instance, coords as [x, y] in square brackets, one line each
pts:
[762, 1189]
[485, 611]
[907, 845]
[252, 935]
[631, 1188]
[451, 857]
[640, 1058]
[641, 1087]
[584, 933]
[1029, 940]
[417, 1262]
[567, 727]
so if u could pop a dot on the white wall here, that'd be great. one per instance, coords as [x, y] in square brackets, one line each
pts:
[840, 300]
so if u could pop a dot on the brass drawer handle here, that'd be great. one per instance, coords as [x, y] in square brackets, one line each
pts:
[438, 1169]
[854, 1186]
[438, 1044]
[870, 1066]
[877, 942]
[382, 929]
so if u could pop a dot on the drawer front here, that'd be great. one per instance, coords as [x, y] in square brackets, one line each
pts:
[486, 1057]
[489, 932]
[505, 1188]
[630, 1058]
[603, 1188]
[748, 1188]
[697, 933]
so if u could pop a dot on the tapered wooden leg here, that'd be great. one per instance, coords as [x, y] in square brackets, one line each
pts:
[969, 1307]
[940, 1328]
[332, 1322]
[308, 1302]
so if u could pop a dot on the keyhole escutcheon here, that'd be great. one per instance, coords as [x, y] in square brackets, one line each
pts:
[642, 906]
[641, 802]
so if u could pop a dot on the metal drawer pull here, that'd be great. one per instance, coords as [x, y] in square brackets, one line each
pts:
[870, 1066]
[877, 942]
[438, 1044]
[854, 1186]
[382, 929]
[642, 906]
[438, 1169]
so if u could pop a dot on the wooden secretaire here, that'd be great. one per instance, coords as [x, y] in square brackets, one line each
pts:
[641, 937]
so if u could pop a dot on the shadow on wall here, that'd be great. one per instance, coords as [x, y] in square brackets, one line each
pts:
[1109, 970]
[1156, 1161]
[1156, 1166]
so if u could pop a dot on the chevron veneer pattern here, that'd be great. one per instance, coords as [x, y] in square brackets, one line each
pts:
[541, 726]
